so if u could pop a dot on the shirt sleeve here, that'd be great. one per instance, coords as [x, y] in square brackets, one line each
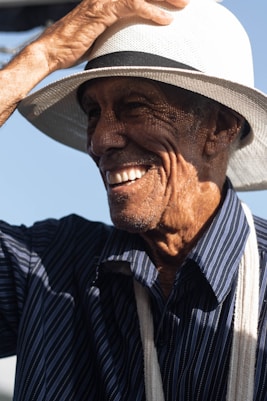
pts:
[17, 258]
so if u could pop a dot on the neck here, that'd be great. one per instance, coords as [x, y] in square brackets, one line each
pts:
[169, 244]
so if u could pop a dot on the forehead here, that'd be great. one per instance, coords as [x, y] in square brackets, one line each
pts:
[114, 85]
[123, 86]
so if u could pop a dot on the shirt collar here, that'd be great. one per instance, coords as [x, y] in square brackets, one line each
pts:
[219, 250]
[129, 250]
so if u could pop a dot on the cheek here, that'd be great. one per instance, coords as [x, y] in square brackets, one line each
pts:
[163, 129]
[173, 136]
[154, 135]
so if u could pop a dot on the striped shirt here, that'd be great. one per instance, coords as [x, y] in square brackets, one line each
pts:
[67, 309]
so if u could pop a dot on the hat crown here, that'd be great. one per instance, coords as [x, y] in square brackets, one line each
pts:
[204, 35]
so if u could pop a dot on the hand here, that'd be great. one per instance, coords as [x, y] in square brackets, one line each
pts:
[67, 41]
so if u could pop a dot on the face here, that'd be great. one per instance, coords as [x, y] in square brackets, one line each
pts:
[148, 141]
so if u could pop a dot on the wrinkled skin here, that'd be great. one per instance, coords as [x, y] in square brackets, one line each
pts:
[162, 153]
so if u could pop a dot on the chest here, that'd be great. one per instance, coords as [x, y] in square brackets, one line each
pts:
[89, 331]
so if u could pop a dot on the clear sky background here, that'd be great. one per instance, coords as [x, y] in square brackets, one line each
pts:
[41, 178]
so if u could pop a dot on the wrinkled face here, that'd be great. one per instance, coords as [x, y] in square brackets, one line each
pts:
[147, 139]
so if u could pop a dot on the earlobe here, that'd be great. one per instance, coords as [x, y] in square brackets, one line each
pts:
[225, 130]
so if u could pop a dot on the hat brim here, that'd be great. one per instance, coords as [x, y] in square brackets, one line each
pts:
[55, 111]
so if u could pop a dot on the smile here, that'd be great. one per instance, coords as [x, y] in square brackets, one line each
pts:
[125, 175]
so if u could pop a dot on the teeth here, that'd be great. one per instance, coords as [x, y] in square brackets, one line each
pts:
[131, 174]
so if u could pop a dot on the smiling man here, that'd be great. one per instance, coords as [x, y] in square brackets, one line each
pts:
[168, 303]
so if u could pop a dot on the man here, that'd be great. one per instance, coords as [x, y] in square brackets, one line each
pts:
[156, 307]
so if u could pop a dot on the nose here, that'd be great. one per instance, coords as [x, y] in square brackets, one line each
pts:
[107, 134]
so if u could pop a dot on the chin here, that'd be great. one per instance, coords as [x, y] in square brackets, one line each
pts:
[132, 224]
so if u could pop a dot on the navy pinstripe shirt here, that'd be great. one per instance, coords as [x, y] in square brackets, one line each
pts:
[67, 309]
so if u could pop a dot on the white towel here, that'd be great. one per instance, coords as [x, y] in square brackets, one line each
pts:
[243, 354]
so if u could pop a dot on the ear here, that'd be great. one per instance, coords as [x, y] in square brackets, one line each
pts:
[223, 131]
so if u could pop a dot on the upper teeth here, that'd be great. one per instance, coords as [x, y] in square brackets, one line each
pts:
[124, 175]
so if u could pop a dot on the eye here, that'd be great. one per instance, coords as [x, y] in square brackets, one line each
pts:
[134, 105]
[93, 112]
[133, 108]
[91, 108]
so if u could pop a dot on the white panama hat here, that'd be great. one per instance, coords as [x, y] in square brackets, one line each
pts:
[205, 50]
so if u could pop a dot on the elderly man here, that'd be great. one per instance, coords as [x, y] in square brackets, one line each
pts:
[169, 303]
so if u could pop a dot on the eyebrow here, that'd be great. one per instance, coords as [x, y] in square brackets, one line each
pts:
[125, 91]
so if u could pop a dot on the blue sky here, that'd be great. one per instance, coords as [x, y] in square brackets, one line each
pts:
[41, 178]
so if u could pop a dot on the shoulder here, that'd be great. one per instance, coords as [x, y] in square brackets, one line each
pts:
[73, 226]
[56, 233]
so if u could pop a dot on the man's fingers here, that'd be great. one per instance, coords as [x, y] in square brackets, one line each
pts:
[152, 10]
[178, 3]
[154, 13]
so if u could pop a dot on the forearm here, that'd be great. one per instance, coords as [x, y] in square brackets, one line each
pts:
[19, 77]
[53, 50]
